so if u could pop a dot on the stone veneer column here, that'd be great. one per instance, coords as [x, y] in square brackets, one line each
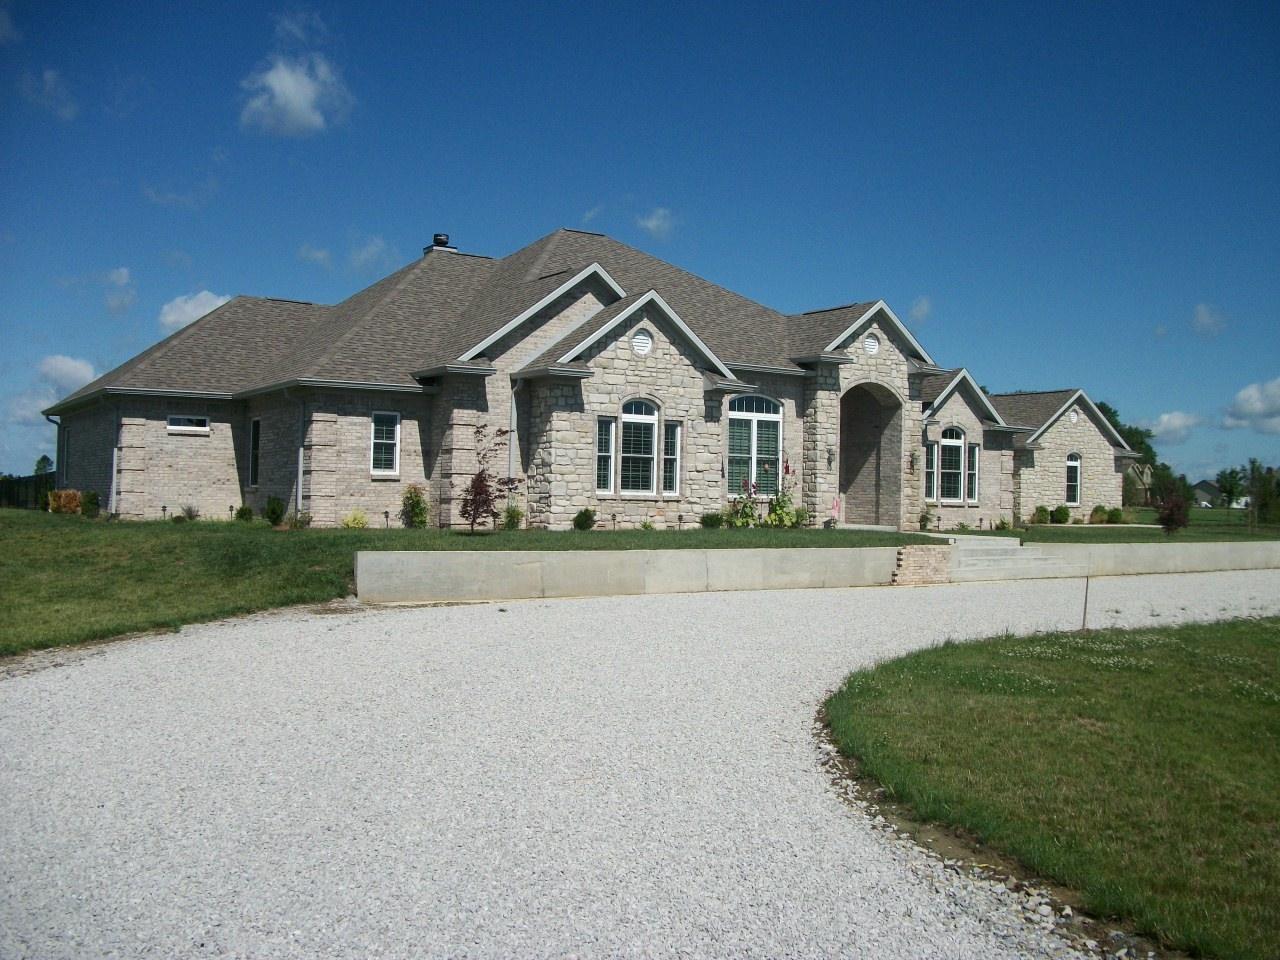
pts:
[820, 476]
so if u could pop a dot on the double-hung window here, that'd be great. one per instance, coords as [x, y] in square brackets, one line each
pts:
[971, 473]
[931, 471]
[670, 457]
[384, 453]
[755, 446]
[255, 445]
[638, 447]
[1073, 479]
[951, 465]
[606, 428]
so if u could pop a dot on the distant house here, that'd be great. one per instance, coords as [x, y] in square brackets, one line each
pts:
[1141, 475]
[1207, 494]
[629, 386]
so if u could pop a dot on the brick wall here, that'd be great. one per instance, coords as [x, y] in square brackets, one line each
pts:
[88, 439]
[919, 564]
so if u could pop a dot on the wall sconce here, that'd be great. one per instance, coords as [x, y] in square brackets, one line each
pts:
[831, 456]
[912, 467]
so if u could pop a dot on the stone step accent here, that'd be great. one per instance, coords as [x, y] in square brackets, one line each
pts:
[1003, 558]
[918, 565]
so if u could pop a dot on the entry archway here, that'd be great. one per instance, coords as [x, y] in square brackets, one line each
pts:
[871, 455]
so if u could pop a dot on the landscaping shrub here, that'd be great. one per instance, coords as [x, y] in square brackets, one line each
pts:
[711, 521]
[245, 514]
[924, 518]
[584, 519]
[191, 512]
[89, 504]
[802, 517]
[355, 520]
[647, 525]
[299, 520]
[1060, 514]
[485, 489]
[64, 501]
[274, 511]
[741, 512]
[413, 506]
[1115, 515]
[1174, 514]
[512, 517]
[1098, 514]
[179, 518]
[1002, 524]
[1040, 515]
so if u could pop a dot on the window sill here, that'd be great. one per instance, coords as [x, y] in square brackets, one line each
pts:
[384, 476]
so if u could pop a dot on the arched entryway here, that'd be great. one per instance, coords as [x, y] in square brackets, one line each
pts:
[871, 455]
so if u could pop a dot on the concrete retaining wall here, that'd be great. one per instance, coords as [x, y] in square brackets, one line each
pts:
[1118, 559]
[414, 576]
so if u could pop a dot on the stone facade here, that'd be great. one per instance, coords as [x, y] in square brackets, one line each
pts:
[1041, 474]
[995, 467]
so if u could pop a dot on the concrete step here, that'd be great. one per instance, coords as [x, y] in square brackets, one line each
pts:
[979, 558]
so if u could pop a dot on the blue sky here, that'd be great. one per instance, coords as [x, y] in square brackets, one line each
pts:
[1081, 195]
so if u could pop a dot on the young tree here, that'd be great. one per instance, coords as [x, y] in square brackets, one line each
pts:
[44, 465]
[1138, 438]
[1230, 484]
[485, 490]
[1260, 485]
[1174, 514]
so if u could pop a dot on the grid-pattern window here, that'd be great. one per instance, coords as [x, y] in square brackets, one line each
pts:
[755, 446]
[931, 471]
[385, 451]
[670, 457]
[951, 464]
[1073, 479]
[971, 473]
[638, 447]
[605, 428]
[255, 445]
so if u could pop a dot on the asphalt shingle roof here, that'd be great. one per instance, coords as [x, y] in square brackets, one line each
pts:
[931, 386]
[1030, 409]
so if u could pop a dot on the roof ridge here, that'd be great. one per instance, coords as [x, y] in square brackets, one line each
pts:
[843, 306]
[1030, 393]
[535, 269]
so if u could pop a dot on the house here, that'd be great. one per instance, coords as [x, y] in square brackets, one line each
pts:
[627, 384]
[1206, 494]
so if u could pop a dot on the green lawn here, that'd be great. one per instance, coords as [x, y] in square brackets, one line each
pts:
[1207, 524]
[65, 579]
[1141, 768]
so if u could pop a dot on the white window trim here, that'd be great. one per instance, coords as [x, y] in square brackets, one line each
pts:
[1078, 463]
[186, 429]
[394, 471]
[674, 491]
[931, 472]
[255, 469]
[613, 453]
[974, 449]
[944, 442]
[654, 459]
[751, 468]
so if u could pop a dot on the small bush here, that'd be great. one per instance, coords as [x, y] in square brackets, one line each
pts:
[711, 521]
[512, 517]
[355, 520]
[245, 514]
[924, 518]
[90, 505]
[1059, 514]
[1098, 514]
[962, 526]
[648, 525]
[1040, 515]
[1174, 514]
[1115, 515]
[741, 512]
[64, 501]
[584, 519]
[802, 517]
[299, 520]
[1003, 524]
[191, 512]
[413, 506]
[274, 511]
[179, 518]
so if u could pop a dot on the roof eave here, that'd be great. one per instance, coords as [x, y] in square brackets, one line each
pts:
[562, 371]
[456, 368]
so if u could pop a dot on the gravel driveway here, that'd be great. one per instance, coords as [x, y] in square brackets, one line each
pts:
[624, 776]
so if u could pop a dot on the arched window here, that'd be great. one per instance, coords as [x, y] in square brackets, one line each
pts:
[1073, 479]
[951, 465]
[755, 446]
[639, 447]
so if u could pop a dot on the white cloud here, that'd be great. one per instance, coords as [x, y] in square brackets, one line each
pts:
[657, 223]
[592, 213]
[1256, 406]
[8, 32]
[1208, 320]
[921, 307]
[51, 92]
[180, 311]
[316, 255]
[370, 252]
[121, 293]
[1173, 427]
[24, 409]
[301, 26]
[65, 373]
[193, 199]
[119, 277]
[295, 97]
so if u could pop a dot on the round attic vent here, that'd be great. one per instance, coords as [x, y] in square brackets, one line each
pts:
[1073, 416]
[642, 342]
[871, 344]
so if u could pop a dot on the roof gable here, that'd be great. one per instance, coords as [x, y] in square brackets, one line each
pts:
[959, 379]
[1041, 410]
[839, 324]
